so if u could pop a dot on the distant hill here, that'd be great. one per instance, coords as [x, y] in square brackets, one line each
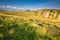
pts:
[51, 14]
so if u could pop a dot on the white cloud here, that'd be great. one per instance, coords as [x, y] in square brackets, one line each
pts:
[8, 6]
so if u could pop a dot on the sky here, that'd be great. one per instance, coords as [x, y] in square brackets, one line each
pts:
[29, 4]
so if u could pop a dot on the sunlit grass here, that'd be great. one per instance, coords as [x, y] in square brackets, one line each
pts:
[27, 26]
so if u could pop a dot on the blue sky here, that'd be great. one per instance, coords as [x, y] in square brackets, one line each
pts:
[29, 4]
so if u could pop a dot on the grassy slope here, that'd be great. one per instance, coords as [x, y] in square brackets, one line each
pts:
[27, 25]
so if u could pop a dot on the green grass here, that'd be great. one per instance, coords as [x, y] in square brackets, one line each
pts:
[33, 29]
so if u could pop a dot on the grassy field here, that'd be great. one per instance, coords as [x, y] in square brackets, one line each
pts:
[30, 25]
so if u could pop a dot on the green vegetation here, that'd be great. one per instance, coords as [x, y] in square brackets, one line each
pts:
[21, 26]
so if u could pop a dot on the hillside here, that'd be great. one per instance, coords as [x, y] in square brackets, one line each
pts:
[45, 14]
[30, 25]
